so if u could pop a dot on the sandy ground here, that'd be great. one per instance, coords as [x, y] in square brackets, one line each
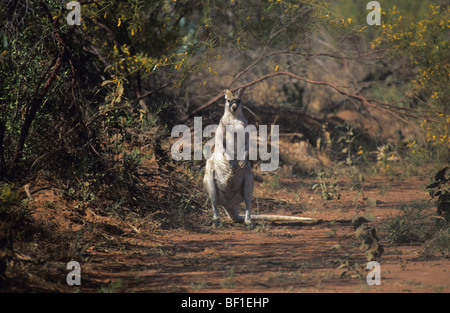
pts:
[270, 257]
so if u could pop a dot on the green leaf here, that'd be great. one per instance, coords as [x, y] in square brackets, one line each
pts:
[369, 216]
[105, 82]
[371, 202]
[344, 264]
[336, 247]
[364, 246]
[434, 185]
[358, 231]
[358, 222]
[119, 92]
[440, 176]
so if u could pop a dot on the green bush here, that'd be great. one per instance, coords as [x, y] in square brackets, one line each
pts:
[440, 243]
[418, 223]
[413, 224]
[440, 189]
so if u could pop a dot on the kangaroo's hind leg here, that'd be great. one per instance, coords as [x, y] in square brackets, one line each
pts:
[248, 193]
[233, 214]
[210, 187]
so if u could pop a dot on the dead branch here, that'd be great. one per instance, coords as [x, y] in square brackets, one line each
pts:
[155, 90]
[389, 108]
[364, 56]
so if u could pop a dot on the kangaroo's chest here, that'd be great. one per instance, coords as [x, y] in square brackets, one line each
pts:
[229, 175]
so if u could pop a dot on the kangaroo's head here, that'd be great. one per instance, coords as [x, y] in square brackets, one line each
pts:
[233, 100]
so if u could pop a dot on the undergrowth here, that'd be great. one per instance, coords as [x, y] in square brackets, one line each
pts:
[419, 223]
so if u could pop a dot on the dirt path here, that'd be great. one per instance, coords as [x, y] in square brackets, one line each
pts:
[278, 257]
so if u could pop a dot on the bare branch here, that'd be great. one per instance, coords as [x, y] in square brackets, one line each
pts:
[365, 56]
[155, 90]
[390, 108]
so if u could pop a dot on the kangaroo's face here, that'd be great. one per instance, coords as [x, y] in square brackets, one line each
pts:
[233, 100]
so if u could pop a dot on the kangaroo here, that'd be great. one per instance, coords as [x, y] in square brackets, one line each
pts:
[228, 182]
[228, 179]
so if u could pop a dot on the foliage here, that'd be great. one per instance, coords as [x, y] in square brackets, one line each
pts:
[256, 23]
[440, 189]
[417, 223]
[370, 243]
[228, 281]
[72, 99]
[413, 224]
[366, 238]
[9, 197]
[87, 105]
[436, 144]
[421, 47]
[439, 243]
[425, 45]
[413, 38]
[347, 142]
[385, 156]
[329, 186]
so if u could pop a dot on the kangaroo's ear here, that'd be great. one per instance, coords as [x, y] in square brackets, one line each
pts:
[228, 94]
[241, 92]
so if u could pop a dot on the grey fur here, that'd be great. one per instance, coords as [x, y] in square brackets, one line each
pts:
[229, 182]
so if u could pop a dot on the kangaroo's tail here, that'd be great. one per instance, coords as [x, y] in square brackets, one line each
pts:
[265, 217]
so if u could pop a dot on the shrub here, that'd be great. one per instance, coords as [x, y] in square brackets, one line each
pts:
[440, 189]
[439, 243]
[418, 223]
[413, 224]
